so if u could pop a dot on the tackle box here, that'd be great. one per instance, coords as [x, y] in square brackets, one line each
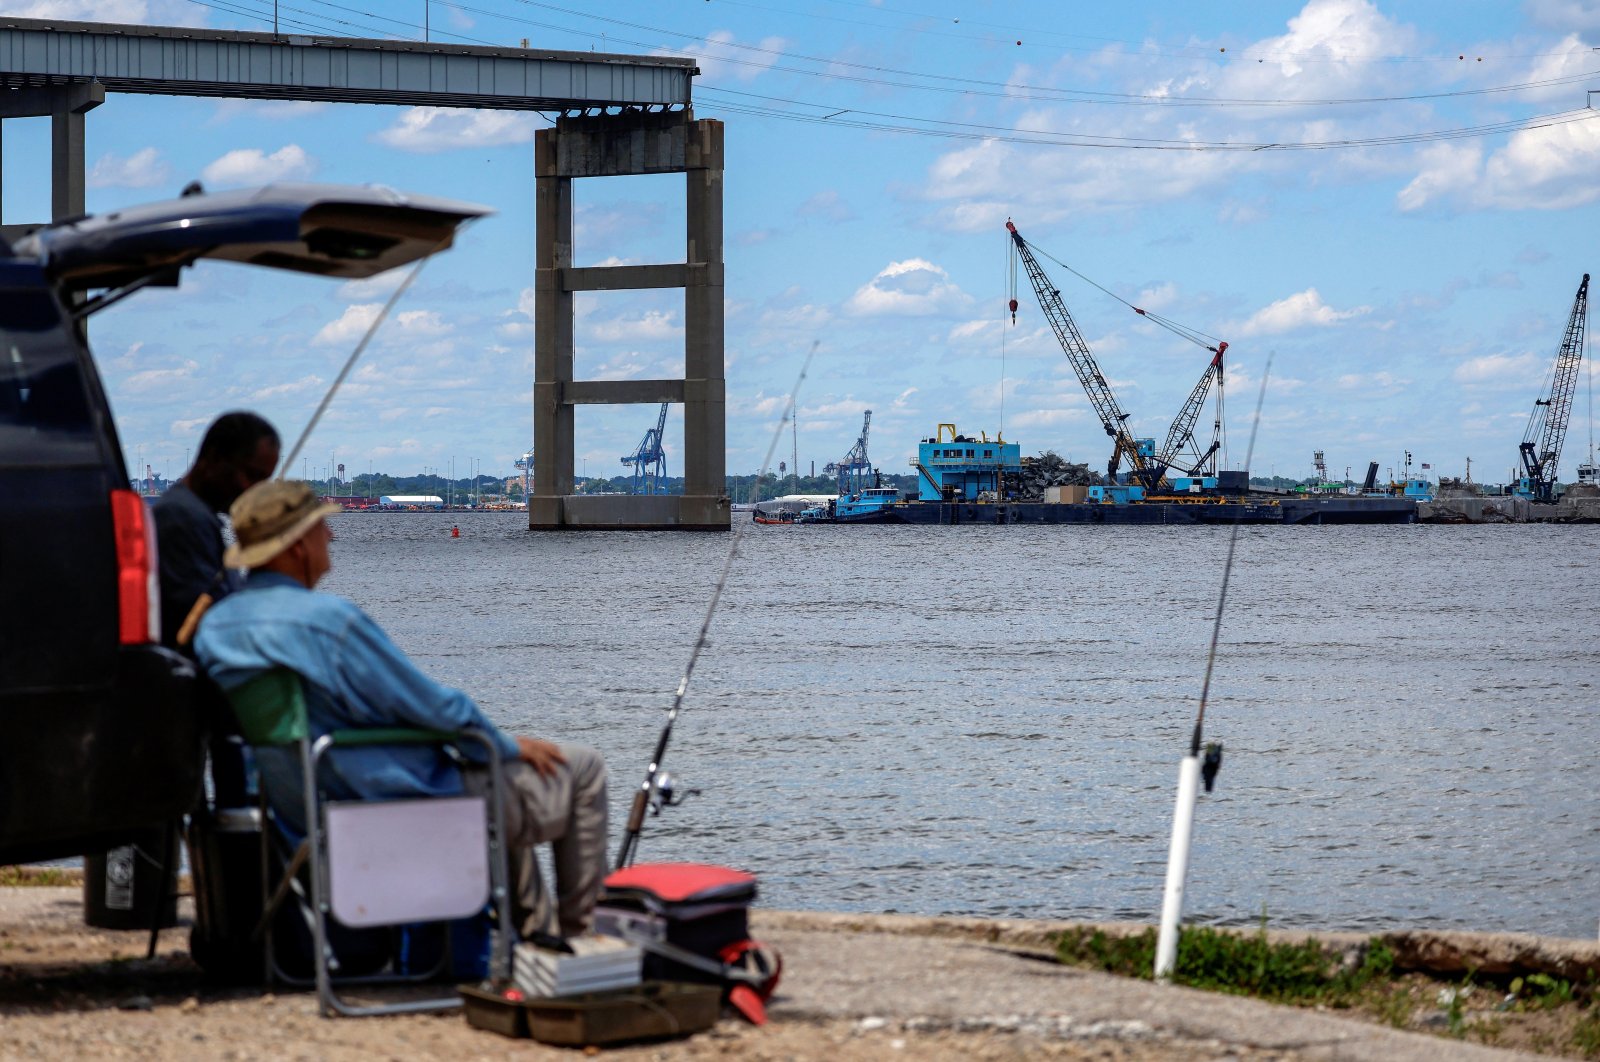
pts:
[652, 1010]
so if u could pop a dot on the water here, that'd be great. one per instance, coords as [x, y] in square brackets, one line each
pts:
[988, 720]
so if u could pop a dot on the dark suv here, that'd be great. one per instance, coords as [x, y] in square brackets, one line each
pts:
[98, 734]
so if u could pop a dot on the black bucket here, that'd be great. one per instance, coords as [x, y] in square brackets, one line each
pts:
[125, 888]
[225, 862]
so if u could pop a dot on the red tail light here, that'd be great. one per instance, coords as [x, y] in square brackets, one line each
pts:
[138, 594]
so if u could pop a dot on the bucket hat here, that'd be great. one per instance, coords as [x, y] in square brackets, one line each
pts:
[269, 518]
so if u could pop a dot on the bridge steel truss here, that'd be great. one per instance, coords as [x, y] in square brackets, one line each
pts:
[621, 114]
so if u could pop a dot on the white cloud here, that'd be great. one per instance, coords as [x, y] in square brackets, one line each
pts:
[1356, 381]
[405, 446]
[827, 205]
[1564, 14]
[370, 288]
[131, 12]
[1538, 169]
[1328, 45]
[1301, 310]
[912, 288]
[622, 367]
[350, 326]
[189, 427]
[1499, 368]
[1158, 297]
[429, 130]
[1324, 54]
[1044, 418]
[722, 58]
[1237, 212]
[143, 169]
[806, 317]
[967, 330]
[421, 323]
[158, 379]
[652, 325]
[248, 166]
[293, 387]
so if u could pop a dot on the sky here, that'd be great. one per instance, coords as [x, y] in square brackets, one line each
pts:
[1393, 201]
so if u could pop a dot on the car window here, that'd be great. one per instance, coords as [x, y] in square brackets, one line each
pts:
[44, 406]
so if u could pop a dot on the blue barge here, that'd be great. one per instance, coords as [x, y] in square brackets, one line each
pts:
[961, 479]
[1318, 510]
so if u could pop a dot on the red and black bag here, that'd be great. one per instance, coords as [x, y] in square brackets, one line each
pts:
[693, 922]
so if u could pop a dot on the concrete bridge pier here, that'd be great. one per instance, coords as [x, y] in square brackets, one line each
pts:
[607, 145]
[65, 106]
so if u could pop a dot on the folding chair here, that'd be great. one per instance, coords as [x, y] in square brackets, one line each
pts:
[378, 862]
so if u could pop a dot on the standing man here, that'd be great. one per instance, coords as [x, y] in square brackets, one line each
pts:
[354, 677]
[238, 451]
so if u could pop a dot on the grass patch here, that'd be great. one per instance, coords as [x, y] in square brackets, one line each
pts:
[1533, 1012]
[1586, 1034]
[39, 877]
[1236, 963]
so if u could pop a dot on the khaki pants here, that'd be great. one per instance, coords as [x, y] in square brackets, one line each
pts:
[568, 810]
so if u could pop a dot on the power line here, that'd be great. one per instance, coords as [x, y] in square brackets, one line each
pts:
[900, 123]
[914, 124]
[978, 86]
[1166, 51]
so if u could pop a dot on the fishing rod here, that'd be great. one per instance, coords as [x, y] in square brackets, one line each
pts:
[350, 362]
[191, 622]
[1190, 768]
[655, 779]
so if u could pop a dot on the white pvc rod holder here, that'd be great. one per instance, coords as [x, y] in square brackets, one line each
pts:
[1177, 867]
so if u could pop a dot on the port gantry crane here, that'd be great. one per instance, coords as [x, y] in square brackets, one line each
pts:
[853, 470]
[525, 466]
[1547, 427]
[1148, 465]
[649, 461]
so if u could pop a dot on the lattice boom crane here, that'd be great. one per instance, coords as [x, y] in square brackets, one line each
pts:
[1181, 434]
[1547, 427]
[1101, 397]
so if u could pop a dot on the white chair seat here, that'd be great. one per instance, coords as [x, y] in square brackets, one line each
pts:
[400, 861]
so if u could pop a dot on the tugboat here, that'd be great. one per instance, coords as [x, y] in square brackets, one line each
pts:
[872, 505]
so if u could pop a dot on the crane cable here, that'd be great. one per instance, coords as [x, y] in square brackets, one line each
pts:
[1192, 335]
[350, 362]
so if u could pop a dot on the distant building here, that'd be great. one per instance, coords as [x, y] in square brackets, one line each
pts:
[411, 501]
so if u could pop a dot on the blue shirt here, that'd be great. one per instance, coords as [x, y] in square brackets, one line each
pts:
[353, 676]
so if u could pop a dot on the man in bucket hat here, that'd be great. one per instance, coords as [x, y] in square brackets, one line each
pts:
[354, 677]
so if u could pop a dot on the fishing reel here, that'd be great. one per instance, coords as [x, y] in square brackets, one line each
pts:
[666, 795]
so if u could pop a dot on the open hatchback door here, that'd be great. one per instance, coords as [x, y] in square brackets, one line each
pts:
[329, 230]
[101, 738]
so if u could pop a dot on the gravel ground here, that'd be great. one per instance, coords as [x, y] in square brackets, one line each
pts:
[852, 990]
